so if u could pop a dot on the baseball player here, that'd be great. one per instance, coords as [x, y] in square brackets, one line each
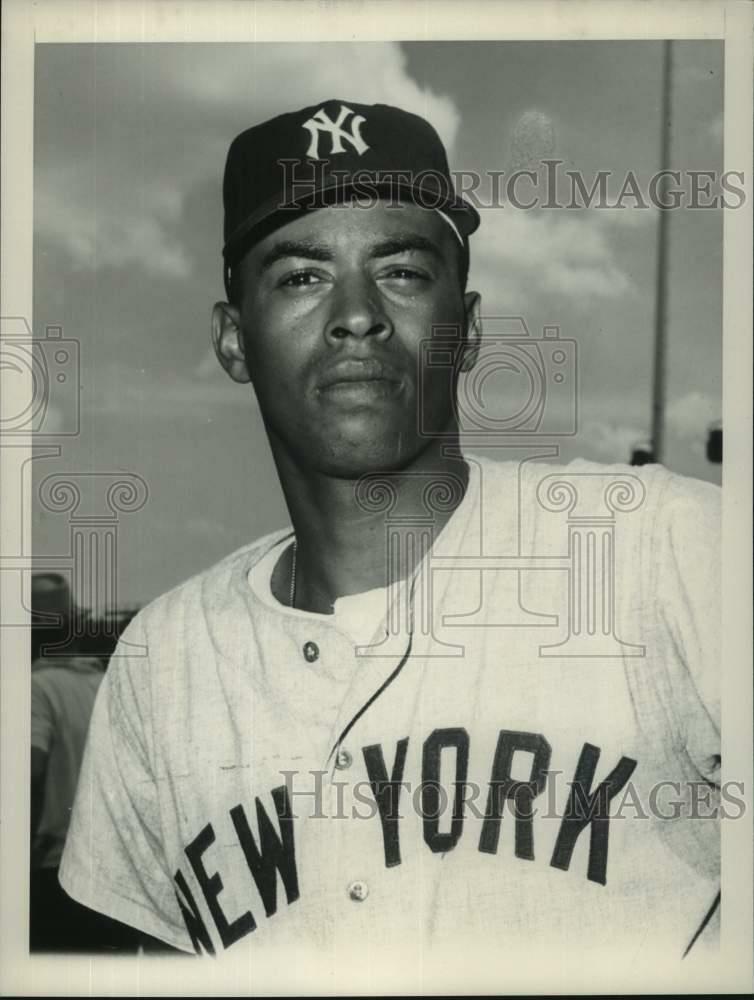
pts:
[465, 698]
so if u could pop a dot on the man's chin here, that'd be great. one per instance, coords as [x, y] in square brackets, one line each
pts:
[352, 460]
[363, 448]
[357, 463]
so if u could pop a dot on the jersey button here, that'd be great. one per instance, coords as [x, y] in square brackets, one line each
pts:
[358, 891]
[343, 759]
[311, 652]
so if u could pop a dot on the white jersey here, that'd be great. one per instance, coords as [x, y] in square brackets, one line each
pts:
[527, 752]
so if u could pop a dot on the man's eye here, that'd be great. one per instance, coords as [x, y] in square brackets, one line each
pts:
[300, 279]
[405, 273]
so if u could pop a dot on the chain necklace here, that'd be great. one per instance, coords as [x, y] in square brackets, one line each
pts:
[293, 576]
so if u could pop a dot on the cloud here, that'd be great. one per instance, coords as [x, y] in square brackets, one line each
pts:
[587, 281]
[689, 415]
[111, 191]
[532, 140]
[629, 217]
[207, 366]
[122, 391]
[609, 441]
[269, 79]
[108, 232]
[568, 255]
[715, 127]
[54, 421]
[203, 527]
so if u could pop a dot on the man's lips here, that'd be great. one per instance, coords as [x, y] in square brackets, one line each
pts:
[359, 370]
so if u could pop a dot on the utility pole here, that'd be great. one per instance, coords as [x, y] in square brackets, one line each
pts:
[661, 297]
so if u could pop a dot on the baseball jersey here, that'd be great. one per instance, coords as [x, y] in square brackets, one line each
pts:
[518, 746]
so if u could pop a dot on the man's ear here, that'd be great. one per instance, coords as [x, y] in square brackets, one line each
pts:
[228, 341]
[473, 304]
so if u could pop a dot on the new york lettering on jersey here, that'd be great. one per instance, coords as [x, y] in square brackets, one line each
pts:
[271, 854]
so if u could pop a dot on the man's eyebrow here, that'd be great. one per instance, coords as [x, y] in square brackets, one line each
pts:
[310, 250]
[295, 248]
[406, 244]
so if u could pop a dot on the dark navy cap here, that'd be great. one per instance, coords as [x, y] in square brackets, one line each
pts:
[320, 155]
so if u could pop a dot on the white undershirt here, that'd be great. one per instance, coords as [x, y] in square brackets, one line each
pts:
[358, 615]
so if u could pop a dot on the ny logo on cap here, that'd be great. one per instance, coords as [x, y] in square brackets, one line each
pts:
[320, 122]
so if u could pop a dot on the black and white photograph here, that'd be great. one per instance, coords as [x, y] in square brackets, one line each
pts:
[376, 583]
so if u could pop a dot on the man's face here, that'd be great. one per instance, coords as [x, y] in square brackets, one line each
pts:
[333, 310]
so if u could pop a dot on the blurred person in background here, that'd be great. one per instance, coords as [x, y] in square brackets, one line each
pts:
[64, 684]
[51, 613]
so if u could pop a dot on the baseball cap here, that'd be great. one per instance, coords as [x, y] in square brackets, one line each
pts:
[308, 159]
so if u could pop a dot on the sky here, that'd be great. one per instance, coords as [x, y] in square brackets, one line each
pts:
[130, 144]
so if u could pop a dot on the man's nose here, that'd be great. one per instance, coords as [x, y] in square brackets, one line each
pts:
[358, 310]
